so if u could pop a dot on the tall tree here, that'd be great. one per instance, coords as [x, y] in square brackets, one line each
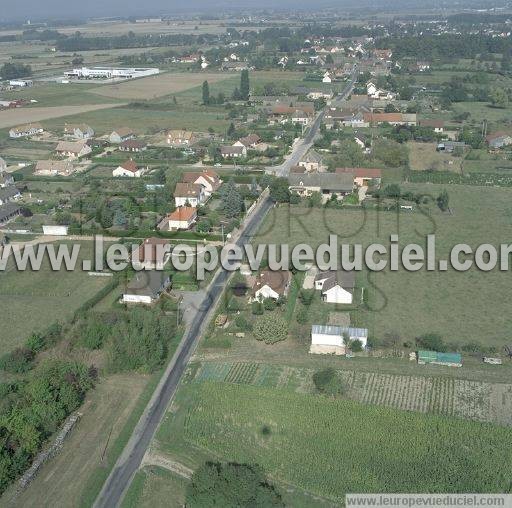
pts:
[244, 85]
[206, 93]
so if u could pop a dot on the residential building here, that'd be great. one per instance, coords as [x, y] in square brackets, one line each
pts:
[132, 145]
[271, 284]
[53, 168]
[27, 130]
[9, 194]
[184, 217]
[73, 149]
[129, 169]
[8, 212]
[391, 118]
[248, 142]
[329, 339]
[146, 287]
[327, 184]
[151, 254]
[436, 125]
[498, 140]
[207, 178]
[337, 286]
[120, 135]
[312, 161]
[6, 180]
[79, 131]
[233, 152]
[180, 138]
[189, 194]
[363, 177]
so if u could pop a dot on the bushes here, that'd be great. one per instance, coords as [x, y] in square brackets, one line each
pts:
[271, 330]
[432, 342]
[306, 296]
[328, 382]
[231, 484]
[18, 361]
[257, 308]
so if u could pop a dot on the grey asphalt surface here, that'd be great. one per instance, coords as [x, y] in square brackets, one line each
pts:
[120, 477]
[129, 461]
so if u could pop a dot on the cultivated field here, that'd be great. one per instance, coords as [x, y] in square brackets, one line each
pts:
[474, 400]
[33, 300]
[463, 307]
[157, 86]
[307, 441]
[19, 116]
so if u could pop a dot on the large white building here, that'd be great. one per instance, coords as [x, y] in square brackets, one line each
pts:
[329, 339]
[111, 72]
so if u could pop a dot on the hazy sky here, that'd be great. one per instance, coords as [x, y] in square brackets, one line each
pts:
[62, 9]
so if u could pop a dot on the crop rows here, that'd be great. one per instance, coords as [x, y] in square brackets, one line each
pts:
[327, 446]
[242, 373]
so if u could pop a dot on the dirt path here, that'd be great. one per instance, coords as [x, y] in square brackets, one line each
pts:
[157, 459]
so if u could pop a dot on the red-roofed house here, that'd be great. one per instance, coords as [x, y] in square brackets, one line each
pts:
[151, 254]
[363, 177]
[129, 169]
[182, 218]
[189, 193]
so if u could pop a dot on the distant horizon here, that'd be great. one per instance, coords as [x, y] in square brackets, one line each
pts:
[59, 10]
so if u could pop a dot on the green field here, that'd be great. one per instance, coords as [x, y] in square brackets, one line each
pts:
[327, 446]
[463, 307]
[33, 300]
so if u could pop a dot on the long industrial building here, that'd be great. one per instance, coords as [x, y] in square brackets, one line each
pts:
[111, 72]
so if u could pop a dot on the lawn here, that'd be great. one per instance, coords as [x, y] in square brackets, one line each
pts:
[462, 307]
[33, 300]
[328, 446]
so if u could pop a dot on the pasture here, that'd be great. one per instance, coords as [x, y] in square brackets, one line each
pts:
[463, 307]
[306, 442]
[33, 300]
[423, 156]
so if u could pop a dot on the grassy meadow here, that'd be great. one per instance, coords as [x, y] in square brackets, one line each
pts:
[463, 307]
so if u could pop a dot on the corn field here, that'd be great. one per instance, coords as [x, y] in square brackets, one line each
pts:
[327, 446]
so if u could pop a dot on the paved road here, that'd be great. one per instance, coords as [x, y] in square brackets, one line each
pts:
[119, 479]
[303, 145]
[126, 466]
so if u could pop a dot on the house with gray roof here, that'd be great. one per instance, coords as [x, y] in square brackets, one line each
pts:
[9, 194]
[9, 212]
[146, 287]
[327, 184]
[337, 286]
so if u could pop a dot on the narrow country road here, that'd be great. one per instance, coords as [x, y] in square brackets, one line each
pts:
[131, 458]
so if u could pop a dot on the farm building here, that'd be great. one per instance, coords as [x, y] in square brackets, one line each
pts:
[329, 339]
[24, 131]
[436, 358]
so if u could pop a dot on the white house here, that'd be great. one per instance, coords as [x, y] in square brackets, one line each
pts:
[146, 287]
[329, 339]
[233, 152]
[189, 194]
[23, 131]
[271, 284]
[78, 131]
[129, 169]
[120, 135]
[327, 78]
[182, 218]
[207, 178]
[336, 286]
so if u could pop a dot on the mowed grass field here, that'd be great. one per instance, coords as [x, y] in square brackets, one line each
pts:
[33, 300]
[327, 446]
[463, 307]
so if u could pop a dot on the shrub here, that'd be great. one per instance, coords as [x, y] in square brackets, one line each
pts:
[269, 304]
[243, 324]
[431, 341]
[356, 346]
[18, 361]
[36, 342]
[271, 330]
[306, 296]
[328, 382]
[257, 308]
